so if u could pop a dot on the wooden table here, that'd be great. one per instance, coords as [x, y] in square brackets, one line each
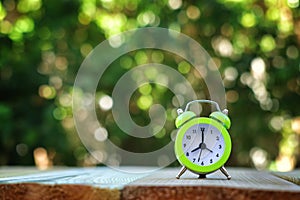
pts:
[106, 183]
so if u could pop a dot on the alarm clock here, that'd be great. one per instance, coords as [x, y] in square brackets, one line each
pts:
[202, 144]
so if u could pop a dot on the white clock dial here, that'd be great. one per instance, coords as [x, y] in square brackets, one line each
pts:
[203, 144]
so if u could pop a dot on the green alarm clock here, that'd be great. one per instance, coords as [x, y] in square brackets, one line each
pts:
[202, 144]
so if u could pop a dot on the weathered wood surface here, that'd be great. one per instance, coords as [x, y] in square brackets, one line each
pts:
[245, 184]
[293, 176]
[106, 183]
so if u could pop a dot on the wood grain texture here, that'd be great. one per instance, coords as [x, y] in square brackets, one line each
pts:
[241, 178]
[17, 171]
[34, 191]
[65, 184]
[102, 177]
[245, 185]
[293, 176]
[202, 193]
[126, 183]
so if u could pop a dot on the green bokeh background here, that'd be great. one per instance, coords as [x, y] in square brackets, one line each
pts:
[255, 45]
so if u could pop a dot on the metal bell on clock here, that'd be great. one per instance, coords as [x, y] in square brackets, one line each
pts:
[221, 117]
[183, 117]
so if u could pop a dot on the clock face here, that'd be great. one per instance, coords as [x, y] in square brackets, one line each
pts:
[203, 144]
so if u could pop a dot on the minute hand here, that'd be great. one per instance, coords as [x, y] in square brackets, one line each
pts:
[202, 134]
[199, 155]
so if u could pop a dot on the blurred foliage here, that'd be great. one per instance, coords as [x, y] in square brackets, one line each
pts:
[255, 45]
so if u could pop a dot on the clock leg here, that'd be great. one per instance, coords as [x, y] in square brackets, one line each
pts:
[182, 170]
[224, 171]
[202, 176]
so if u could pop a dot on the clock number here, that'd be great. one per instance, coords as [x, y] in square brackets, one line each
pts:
[194, 159]
[217, 155]
[188, 137]
[187, 154]
[184, 145]
[211, 161]
[202, 163]
[220, 146]
[194, 131]
[217, 138]
[211, 132]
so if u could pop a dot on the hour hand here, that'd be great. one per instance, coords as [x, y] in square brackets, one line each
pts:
[196, 149]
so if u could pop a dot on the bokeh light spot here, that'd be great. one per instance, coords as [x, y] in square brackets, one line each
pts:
[5, 27]
[232, 96]
[292, 52]
[273, 13]
[267, 43]
[145, 89]
[258, 68]
[184, 67]
[105, 102]
[175, 4]
[223, 46]
[41, 158]
[47, 92]
[61, 63]
[293, 3]
[248, 19]
[24, 25]
[56, 82]
[259, 158]
[146, 18]
[25, 6]
[276, 123]
[85, 49]
[141, 57]
[22, 149]
[126, 62]
[59, 113]
[157, 56]
[144, 102]
[193, 12]
[231, 73]
[100, 134]
[296, 125]
[2, 12]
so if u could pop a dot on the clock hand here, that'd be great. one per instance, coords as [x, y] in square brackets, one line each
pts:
[202, 133]
[200, 145]
[200, 155]
[196, 149]
[209, 150]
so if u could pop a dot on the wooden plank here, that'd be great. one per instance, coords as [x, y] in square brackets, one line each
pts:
[241, 178]
[245, 184]
[102, 177]
[17, 171]
[293, 176]
[65, 184]
[34, 191]
[106, 183]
